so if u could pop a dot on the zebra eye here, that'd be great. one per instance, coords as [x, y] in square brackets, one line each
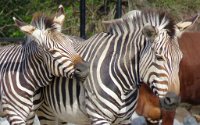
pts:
[159, 57]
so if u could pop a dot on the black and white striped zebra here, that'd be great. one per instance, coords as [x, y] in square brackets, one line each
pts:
[27, 67]
[141, 48]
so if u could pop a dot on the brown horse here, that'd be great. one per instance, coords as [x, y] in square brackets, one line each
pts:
[149, 105]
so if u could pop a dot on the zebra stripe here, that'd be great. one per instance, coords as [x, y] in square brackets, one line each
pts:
[140, 48]
[27, 67]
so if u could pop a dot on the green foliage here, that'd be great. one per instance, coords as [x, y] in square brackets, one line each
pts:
[24, 9]
[178, 8]
[6, 13]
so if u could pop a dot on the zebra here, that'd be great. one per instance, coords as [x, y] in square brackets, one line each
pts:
[141, 48]
[27, 67]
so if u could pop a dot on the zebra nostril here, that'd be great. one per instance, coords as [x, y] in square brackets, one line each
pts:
[170, 101]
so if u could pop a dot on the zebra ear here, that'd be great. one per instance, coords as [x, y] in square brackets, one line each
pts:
[187, 23]
[23, 26]
[59, 17]
[149, 31]
[184, 25]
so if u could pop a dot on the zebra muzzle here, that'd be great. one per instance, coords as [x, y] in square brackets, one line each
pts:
[168, 107]
[81, 70]
[170, 101]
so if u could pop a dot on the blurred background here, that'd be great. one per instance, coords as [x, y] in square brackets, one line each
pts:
[96, 11]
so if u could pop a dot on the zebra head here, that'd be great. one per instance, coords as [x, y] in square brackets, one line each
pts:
[160, 58]
[57, 51]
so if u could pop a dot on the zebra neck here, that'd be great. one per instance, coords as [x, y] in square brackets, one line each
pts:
[24, 63]
[120, 54]
[35, 68]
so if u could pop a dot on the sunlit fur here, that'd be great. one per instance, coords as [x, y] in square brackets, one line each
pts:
[119, 60]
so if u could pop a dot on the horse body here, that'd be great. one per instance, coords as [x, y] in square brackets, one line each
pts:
[189, 68]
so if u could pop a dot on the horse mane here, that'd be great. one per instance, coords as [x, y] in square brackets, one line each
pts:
[157, 18]
[42, 21]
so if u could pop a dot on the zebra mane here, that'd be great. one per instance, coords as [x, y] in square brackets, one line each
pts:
[42, 21]
[159, 19]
